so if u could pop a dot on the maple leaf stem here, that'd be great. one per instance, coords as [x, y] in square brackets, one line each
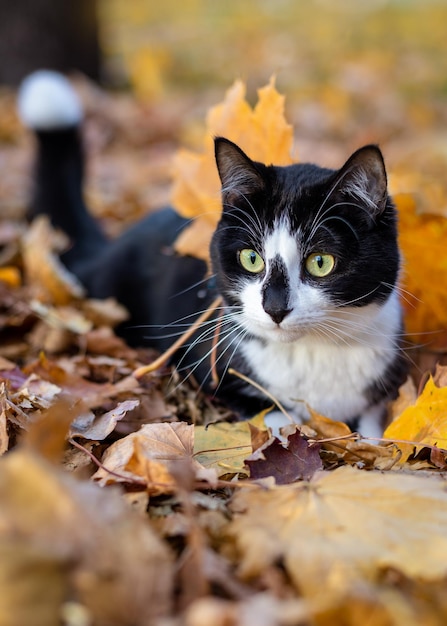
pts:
[164, 358]
[264, 391]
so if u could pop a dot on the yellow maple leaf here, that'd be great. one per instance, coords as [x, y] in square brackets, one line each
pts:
[262, 132]
[424, 423]
[342, 530]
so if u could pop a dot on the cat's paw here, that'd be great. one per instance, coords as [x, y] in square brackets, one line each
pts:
[370, 424]
[275, 420]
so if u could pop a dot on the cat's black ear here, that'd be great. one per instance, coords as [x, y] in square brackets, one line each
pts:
[239, 175]
[364, 177]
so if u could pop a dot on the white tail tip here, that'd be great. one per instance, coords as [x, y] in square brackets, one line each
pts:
[47, 101]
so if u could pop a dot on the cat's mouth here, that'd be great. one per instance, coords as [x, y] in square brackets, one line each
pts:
[285, 332]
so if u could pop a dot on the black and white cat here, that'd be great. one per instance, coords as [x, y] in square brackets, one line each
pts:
[305, 259]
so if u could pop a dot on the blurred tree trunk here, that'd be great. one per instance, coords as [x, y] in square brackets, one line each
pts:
[51, 34]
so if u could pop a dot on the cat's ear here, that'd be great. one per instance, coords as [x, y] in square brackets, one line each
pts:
[239, 175]
[364, 177]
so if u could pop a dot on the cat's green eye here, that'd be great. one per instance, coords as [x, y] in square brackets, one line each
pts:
[251, 261]
[320, 264]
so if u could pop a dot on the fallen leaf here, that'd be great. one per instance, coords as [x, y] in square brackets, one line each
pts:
[224, 447]
[150, 456]
[53, 283]
[62, 317]
[91, 393]
[341, 529]
[83, 539]
[89, 426]
[34, 584]
[342, 445]
[422, 239]
[424, 423]
[46, 436]
[107, 312]
[11, 276]
[297, 460]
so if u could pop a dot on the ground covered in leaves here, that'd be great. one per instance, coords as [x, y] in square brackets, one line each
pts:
[136, 500]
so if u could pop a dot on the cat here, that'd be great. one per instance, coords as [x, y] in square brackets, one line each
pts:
[305, 259]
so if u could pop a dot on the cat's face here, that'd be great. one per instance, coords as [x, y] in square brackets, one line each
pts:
[303, 250]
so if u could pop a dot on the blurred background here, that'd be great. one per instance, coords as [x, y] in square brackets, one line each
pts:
[352, 71]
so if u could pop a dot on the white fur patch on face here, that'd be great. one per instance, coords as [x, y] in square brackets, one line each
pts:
[307, 303]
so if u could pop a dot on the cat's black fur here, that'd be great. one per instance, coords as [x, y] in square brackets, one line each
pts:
[164, 293]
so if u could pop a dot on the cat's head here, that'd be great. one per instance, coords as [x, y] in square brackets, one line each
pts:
[299, 246]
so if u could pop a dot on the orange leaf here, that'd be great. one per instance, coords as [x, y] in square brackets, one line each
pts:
[422, 240]
[261, 131]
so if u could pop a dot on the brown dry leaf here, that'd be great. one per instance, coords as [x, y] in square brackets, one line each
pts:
[104, 341]
[342, 531]
[287, 463]
[345, 445]
[92, 394]
[46, 436]
[261, 131]
[52, 282]
[107, 312]
[34, 584]
[89, 426]
[85, 538]
[424, 423]
[62, 317]
[150, 457]
[440, 376]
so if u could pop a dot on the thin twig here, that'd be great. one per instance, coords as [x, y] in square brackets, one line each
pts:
[213, 356]
[98, 463]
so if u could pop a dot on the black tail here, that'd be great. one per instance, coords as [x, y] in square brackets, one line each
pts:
[49, 106]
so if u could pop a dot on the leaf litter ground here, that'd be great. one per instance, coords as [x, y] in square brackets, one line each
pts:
[138, 501]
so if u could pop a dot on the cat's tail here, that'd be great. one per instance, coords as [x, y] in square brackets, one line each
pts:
[49, 106]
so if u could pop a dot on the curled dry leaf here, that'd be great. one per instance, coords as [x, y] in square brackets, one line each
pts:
[88, 426]
[261, 131]
[53, 284]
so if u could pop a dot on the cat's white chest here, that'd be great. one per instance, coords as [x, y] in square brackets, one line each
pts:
[329, 378]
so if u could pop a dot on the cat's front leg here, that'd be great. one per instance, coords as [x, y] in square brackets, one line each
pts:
[371, 422]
